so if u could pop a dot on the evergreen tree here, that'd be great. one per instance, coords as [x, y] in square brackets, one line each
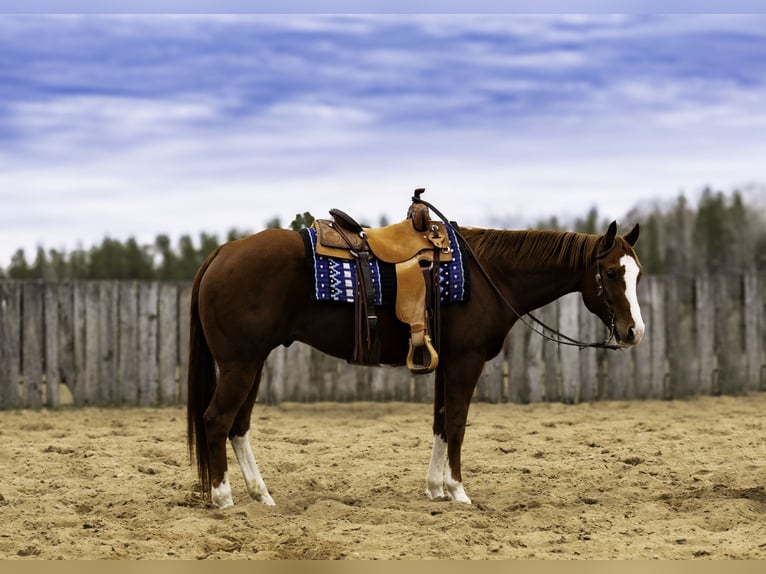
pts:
[19, 268]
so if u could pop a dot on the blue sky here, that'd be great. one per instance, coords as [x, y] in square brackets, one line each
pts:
[137, 125]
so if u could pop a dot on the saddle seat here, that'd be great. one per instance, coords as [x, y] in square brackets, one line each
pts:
[414, 246]
[393, 243]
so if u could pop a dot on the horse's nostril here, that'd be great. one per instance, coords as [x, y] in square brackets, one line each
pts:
[631, 333]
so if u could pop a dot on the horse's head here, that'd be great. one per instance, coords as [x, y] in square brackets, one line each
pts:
[610, 291]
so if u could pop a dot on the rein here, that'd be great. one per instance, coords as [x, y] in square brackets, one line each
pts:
[558, 336]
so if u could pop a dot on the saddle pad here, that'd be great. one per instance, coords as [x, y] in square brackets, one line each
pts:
[335, 279]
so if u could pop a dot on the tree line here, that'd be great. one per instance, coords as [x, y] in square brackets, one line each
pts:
[720, 233]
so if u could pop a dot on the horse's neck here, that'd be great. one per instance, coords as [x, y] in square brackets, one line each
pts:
[531, 282]
[534, 288]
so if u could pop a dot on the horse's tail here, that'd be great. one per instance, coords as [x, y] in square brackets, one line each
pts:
[200, 383]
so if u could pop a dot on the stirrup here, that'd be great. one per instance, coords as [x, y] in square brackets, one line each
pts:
[423, 368]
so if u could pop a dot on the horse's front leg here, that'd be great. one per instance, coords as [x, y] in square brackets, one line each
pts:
[455, 384]
[435, 475]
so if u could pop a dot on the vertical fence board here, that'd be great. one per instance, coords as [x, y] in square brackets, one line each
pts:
[184, 305]
[66, 336]
[679, 338]
[551, 365]
[704, 313]
[297, 372]
[532, 365]
[78, 307]
[108, 336]
[642, 354]
[490, 385]
[752, 324]
[569, 320]
[728, 334]
[168, 343]
[127, 352]
[589, 330]
[93, 342]
[515, 350]
[10, 343]
[147, 343]
[619, 374]
[52, 378]
[657, 338]
[272, 389]
[421, 387]
[32, 357]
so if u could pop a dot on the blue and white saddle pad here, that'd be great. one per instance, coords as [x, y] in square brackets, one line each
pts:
[335, 279]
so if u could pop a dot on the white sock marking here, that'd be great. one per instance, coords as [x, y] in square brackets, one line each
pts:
[631, 294]
[455, 488]
[255, 485]
[436, 479]
[435, 476]
[221, 494]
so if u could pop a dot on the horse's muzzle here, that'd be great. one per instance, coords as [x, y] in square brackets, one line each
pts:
[629, 337]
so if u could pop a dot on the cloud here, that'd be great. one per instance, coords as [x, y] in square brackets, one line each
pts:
[145, 125]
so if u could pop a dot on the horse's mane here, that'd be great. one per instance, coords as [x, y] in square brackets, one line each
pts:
[530, 249]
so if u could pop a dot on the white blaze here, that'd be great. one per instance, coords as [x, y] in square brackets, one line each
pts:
[631, 294]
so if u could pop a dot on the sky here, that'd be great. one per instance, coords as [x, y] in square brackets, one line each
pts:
[137, 125]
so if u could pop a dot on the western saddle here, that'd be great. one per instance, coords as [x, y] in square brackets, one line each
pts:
[415, 247]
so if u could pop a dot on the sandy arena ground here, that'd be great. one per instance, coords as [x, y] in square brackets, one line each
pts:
[604, 480]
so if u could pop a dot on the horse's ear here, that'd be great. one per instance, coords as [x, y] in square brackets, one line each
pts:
[632, 236]
[607, 240]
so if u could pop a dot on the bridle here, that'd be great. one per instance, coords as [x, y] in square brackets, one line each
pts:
[556, 335]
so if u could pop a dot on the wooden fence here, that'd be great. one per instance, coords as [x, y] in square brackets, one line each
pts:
[125, 343]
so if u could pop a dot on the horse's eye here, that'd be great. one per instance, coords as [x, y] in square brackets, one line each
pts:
[611, 274]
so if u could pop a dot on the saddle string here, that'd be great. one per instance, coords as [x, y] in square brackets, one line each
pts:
[558, 336]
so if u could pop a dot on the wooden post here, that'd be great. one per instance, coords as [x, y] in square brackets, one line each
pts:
[704, 314]
[66, 336]
[656, 331]
[127, 355]
[679, 334]
[91, 393]
[168, 343]
[590, 330]
[297, 379]
[52, 376]
[532, 365]
[32, 343]
[147, 343]
[728, 334]
[490, 385]
[272, 389]
[753, 344]
[10, 343]
[79, 339]
[184, 305]
[108, 337]
[642, 354]
[569, 321]
[551, 364]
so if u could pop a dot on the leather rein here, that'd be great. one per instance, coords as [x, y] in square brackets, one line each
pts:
[557, 336]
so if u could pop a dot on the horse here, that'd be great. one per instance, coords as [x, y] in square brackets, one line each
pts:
[252, 295]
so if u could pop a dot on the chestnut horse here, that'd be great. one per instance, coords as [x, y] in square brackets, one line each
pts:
[254, 294]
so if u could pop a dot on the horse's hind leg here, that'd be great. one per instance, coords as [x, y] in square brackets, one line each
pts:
[239, 435]
[235, 382]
